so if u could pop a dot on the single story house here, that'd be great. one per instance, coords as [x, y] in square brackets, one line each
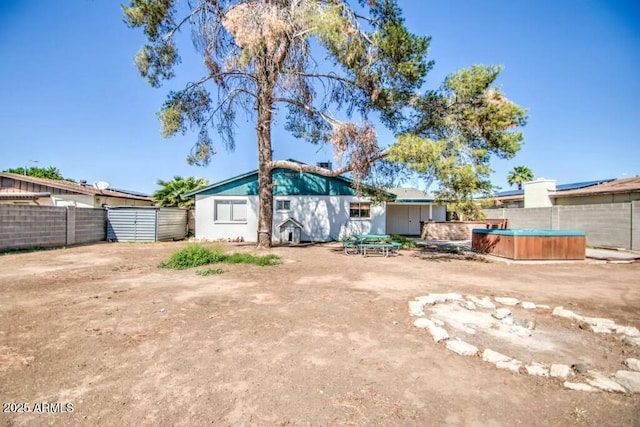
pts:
[308, 207]
[544, 193]
[19, 189]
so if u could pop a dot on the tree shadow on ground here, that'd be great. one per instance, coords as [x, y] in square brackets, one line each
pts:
[446, 253]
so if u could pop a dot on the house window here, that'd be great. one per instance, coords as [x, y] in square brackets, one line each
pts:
[359, 210]
[283, 205]
[230, 211]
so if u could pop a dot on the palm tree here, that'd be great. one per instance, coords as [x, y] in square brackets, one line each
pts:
[518, 175]
[173, 191]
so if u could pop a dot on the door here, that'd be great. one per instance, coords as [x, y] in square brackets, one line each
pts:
[397, 219]
[414, 220]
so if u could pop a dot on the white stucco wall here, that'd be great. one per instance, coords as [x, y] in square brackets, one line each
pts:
[77, 200]
[325, 218]
[536, 193]
[119, 201]
[208, 229]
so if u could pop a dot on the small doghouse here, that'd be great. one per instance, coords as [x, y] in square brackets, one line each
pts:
[290, 232]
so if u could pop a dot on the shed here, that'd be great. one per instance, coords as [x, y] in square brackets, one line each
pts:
[145, 223]
[290, 231]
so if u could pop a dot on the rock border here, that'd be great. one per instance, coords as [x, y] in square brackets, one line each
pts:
[618, 382]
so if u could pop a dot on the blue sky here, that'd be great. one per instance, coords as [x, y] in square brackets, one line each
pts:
[72, 98]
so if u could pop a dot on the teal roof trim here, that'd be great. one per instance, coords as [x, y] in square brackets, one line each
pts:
[294, 183]
[288, 183]
[224, 185]
[413, 200]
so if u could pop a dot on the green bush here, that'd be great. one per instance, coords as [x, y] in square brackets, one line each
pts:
[195, 256]
[267, 260]
[209, 272]
[243, 258]
[405, 242]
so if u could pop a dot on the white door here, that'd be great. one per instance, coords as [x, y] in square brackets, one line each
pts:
[414, 220]
[397, 219]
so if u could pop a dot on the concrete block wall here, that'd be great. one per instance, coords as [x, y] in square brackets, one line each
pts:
[23, 227]
[605, 224]
[610, 224]
[91, 225]
[523, 218]
[28, 226]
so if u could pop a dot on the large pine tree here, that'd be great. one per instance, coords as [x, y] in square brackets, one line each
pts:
[332, 64]
[261, 54]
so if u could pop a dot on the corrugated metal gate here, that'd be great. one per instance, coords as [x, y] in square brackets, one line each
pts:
[172, 224]
[145, 224]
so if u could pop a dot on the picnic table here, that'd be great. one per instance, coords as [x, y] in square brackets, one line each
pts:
[377, 243]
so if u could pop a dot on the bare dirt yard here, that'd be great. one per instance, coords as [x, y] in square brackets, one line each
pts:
[323, 339]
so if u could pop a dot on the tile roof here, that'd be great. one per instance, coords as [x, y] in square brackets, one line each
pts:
[11, 190]
[72, 186]
[577, 185]
[559, 187]
[510, 193]
[603, 186]
[625, 185]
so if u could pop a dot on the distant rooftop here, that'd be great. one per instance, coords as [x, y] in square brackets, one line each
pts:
[559, 187]
[611, 186]
[133, 193]
[82, 187]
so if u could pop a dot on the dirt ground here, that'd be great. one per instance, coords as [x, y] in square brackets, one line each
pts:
[324, 339]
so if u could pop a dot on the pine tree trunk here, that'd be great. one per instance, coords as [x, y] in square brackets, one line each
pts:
[265, 187]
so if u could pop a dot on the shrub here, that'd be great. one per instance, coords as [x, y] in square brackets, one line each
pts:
[209, 272]
[195, 256]
[405, 242]
[243, 258]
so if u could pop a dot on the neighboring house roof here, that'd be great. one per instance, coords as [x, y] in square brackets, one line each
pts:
[130, 192]
[72, 187]
[10, 193]
[625, 185]
[287, 183]
[561, 187]
[409, 195]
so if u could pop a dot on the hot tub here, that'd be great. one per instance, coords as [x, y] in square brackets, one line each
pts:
[533, 244]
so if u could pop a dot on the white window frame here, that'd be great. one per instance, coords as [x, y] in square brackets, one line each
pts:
[360, 209]
[231, 203]
[283, 201]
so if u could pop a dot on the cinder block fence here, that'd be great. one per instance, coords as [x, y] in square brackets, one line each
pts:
[24, 227]
[610, 224]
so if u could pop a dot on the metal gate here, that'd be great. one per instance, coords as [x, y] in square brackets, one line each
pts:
[145, 224]
[131, 225]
